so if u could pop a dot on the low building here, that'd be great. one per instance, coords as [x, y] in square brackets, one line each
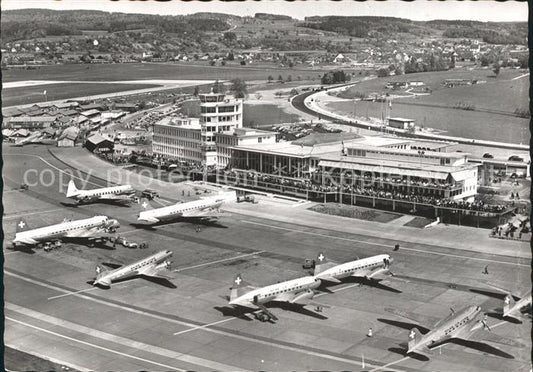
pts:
[98, 143]
[91, 113]
[29, 122]
[401, 123]
[225, 142]
[180, 139]
[128, 107]
[68, 137]
[113, 114]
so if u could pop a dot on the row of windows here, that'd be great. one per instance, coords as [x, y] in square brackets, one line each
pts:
[66, 229]
[283, 291]
[457, 325]
[176, 142]
[141, 264]
[356, 268]
[174, 151]
[209, 119]
[165, 131]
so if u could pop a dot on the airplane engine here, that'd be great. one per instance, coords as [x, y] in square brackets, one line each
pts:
[103, 282]
[112, 225]
[307, 295]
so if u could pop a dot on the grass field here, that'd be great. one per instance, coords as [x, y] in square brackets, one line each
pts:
[140, 71]
[459, 123]
[15, 360]
[266, 115]
[32, 94]
[499, 94]
[355, 212]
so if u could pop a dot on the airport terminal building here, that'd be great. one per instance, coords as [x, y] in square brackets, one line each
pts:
[388, 166]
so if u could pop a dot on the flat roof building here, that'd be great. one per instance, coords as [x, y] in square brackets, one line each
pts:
[239, 137]
[383, 164]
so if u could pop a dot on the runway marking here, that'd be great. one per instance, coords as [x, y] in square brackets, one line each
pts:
[22, 214]
[384, 245]
[204, 326]
[272, 343]
[218, 261]
[520, 77]
[126, 342]
[71, 293]
[389, 364]
[94, 345]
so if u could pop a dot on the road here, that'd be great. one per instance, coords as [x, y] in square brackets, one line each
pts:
[51, 309]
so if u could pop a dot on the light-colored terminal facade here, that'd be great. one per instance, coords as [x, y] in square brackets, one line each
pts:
[389, 164]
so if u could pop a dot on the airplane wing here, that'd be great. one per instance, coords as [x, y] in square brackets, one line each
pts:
[379, 274]
[492, 338]
[424, 321]
[28, 241]
[330, 278]
[208, 212]
[155, 270]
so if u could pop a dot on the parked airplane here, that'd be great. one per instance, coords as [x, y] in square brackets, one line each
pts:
[207, 207]
[297, 291]
[87, 227]
[118, 193]
[463, 327]
[375, 267]
[515, 309]
[150, 266]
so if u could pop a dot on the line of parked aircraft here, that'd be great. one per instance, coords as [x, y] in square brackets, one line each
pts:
[466, 326]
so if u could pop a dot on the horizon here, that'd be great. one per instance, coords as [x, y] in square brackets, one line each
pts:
[420, 10]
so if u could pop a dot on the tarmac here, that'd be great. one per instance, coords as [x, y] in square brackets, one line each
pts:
[51, 309]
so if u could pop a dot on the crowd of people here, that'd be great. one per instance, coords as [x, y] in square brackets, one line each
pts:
[310, 185]
[405, 181]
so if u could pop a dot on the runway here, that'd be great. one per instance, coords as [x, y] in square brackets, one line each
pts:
[137, 324]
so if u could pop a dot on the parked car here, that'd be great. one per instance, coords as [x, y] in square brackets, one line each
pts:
[515, 158]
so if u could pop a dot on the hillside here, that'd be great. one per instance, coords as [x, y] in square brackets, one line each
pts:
[34, 23]
[489, 32]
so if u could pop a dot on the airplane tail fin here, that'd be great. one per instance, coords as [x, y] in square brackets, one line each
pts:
[72, 190]
[508, 303]
[321, 263]
[414, 339]
[100, 270]
[22, 226]
[238, 288]
[145, 204]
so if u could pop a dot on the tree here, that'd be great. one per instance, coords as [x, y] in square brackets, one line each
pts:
[496, 68]
[270, 78]
[289, 78]
[212, 62]
[382, 72]
[230, 36]
[243, 62]
[280, 78]
[218, 87]
[239, 88]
